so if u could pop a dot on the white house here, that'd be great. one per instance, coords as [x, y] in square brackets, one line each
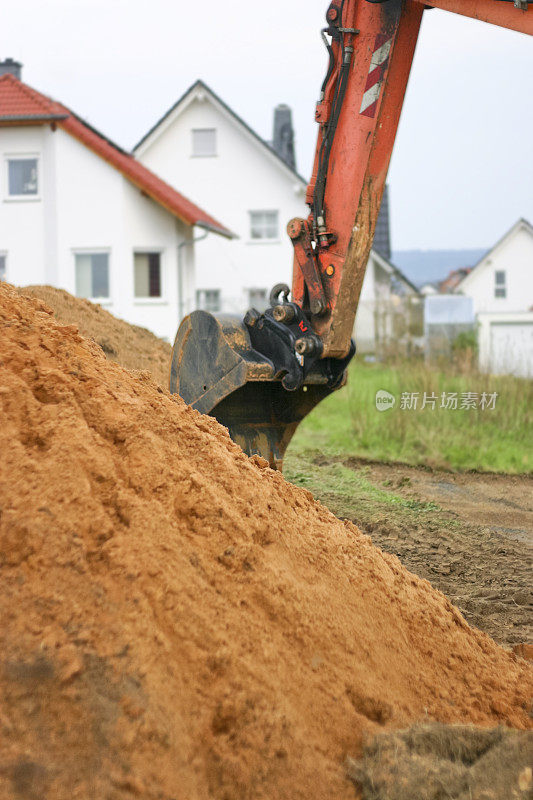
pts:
[390, 309]
[501, 287]
[502, 282]
[79, 213]
[203, 146]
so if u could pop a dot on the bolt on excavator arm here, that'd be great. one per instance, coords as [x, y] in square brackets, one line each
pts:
[261, 375]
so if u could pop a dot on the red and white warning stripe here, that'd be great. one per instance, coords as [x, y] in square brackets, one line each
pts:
[376, 74]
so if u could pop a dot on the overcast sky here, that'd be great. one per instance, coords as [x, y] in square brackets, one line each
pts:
[462, 169]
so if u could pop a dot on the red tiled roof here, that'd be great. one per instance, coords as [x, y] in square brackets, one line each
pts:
[20, 103]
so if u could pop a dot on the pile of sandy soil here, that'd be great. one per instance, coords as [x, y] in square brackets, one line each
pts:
[434, 761]
[180, 622]
[128, 345]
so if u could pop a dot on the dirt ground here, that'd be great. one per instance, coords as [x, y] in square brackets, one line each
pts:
[503, 503]
[477, 548]
[178, 615]
[179, 620]
[434, 762]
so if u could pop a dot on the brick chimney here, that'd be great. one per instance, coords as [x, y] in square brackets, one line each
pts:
[11, 67]
[283, 139]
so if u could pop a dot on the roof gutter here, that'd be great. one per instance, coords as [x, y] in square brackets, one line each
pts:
[400, 275]
[32, 117]
[207, 226]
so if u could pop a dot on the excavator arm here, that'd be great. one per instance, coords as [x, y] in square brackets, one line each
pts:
[261, 375]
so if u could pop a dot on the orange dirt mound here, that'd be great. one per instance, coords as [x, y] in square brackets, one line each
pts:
[128, 345]
[180, 622]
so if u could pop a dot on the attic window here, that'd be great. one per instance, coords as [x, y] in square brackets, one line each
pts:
[204, 142]
[500, 284]
[22, 177]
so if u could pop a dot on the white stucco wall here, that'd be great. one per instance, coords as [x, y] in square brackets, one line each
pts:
[22, 222]
[514, 256]
[242, 177]
[85, 205]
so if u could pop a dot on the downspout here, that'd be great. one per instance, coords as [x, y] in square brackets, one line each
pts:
[186, 243]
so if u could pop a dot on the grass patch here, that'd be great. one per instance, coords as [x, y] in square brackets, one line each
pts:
[348, 483]
[348, 424]
[349, 493]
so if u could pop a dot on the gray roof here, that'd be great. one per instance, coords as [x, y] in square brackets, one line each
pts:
[382, 236]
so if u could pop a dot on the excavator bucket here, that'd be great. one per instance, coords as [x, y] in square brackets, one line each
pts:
[218, 370]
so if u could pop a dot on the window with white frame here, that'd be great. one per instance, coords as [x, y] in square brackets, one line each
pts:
[3, 266]
[257, 298]
[204, 142]
[208, 300]
[500, 283]
[22, 176]
[92, 275]
[147, 274]
[264, 225]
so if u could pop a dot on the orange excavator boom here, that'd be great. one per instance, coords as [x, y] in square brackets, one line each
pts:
[261, 375]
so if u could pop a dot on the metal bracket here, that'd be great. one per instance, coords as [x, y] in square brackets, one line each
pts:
[300, 235]
[277, 341]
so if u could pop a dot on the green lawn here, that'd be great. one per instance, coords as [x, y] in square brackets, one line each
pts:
[498, 439]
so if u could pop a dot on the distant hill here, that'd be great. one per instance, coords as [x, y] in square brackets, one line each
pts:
[432, 266]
